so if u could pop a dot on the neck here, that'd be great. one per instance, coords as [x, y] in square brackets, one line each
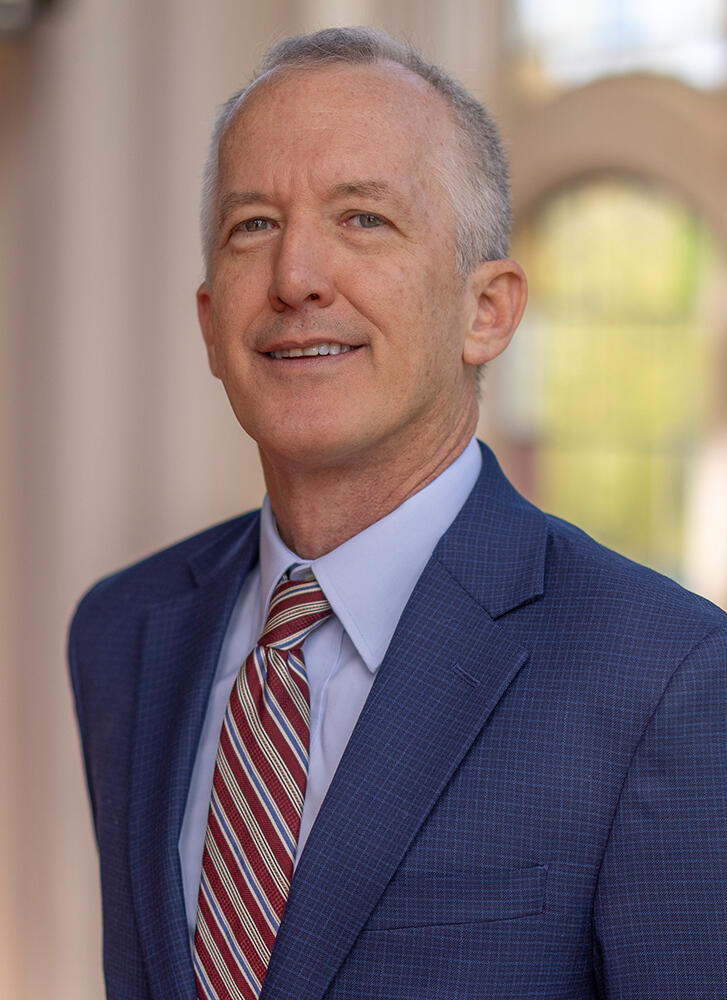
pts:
[317, 507]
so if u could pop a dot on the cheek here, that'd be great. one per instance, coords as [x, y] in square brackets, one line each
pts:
[233, 308]
[394, 296]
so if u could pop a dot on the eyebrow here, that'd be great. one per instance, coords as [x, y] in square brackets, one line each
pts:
[379, 190]
[376, 190]
[362, 189]
[238, 199]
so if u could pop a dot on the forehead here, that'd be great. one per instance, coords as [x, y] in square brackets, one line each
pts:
[338, 118]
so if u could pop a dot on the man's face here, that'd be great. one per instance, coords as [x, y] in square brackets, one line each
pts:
[336, 240]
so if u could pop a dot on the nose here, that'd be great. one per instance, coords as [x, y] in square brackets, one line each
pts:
[301, 270]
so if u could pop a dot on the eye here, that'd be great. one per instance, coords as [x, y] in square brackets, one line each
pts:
[366, 220]
[255, 225]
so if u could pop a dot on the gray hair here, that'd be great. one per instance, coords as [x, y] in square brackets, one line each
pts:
[475, 177]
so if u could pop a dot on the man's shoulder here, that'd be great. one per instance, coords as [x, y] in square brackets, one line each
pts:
[509, 554]
[604, 585]
[167, 572]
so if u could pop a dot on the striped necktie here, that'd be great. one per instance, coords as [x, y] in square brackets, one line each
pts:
[257, 800]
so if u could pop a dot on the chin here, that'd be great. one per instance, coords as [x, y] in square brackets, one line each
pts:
[305, 434]
[307, 453]
[311, 447]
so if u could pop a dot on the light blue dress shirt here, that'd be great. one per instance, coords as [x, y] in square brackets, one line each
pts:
[368, 581]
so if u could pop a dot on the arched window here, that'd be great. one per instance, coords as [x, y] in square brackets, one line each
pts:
[613, 384]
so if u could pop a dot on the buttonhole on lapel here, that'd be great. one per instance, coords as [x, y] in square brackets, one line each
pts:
[470, 678]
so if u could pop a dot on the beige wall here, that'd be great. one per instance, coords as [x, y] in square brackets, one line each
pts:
[114, 440]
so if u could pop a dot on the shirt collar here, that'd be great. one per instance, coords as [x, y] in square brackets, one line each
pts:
[369, 578]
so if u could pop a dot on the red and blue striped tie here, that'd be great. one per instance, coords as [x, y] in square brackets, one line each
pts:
[257, 800]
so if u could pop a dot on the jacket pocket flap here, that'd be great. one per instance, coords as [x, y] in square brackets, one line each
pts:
[429, 897]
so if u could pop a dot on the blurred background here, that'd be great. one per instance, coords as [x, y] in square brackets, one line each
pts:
[610, 409]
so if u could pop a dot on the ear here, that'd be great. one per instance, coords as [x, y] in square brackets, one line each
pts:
[204, 314]
[499, 291]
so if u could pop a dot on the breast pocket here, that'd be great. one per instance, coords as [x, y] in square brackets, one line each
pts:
[426, 898]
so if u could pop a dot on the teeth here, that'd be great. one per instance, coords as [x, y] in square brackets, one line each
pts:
[313, 351]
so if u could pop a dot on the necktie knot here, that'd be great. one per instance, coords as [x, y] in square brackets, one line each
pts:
[296, 607]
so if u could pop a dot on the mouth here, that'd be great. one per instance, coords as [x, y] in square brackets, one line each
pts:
[313, 350]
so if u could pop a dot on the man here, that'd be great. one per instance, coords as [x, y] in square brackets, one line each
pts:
[473, 754]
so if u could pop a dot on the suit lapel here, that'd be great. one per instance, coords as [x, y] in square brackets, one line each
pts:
[181, 646]
[447, 667]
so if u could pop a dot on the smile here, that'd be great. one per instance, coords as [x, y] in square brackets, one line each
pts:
[311, 352]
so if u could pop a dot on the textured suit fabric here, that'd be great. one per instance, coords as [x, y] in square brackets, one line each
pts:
[533, 802]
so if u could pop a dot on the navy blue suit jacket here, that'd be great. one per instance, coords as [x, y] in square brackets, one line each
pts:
[533, 802]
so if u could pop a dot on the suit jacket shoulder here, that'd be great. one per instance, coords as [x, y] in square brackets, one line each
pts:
[598, 582]
[167, 572]
[522, 565]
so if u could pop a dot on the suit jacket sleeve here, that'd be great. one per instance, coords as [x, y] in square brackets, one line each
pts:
[78, 703]
[660, 915]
